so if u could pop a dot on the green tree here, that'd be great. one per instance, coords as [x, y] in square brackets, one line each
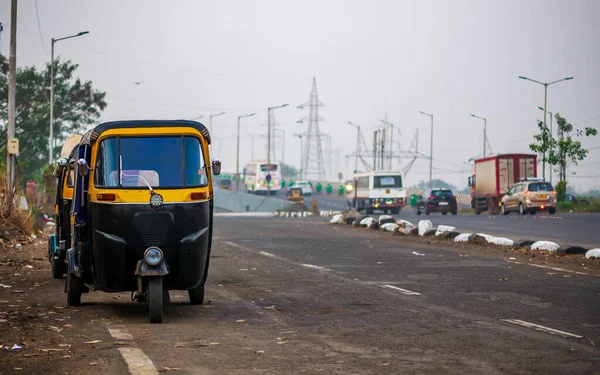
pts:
[567, 150]
[288, 171]
[423, 185]
[77, 106]
[544, 143]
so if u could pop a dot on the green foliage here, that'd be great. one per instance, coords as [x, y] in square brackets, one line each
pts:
[288, 171]
[76, 106]
[561, 190]
[567, 150]
[544, 140]
[424, 185]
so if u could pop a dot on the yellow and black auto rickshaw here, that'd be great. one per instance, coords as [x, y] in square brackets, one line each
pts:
[141, 218]
[65, 175]
[295, 196]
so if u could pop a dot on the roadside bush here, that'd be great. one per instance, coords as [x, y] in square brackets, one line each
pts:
[561, 191]
[11, 215]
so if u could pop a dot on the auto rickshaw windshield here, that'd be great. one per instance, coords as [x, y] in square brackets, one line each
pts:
[160, 162]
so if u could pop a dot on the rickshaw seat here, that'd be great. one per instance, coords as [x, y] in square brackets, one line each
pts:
[132, 177]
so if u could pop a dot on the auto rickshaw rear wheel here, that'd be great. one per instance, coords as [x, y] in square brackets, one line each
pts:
[196, 295]
[154, 291]
[74, 290]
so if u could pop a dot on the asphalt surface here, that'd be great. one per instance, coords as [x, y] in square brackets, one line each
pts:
[304, 296]
[563, 228]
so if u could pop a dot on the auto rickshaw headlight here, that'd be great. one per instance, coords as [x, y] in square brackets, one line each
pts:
[156, 200]
[153, 256]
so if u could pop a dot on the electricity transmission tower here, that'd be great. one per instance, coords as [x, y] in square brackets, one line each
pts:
[313, 163]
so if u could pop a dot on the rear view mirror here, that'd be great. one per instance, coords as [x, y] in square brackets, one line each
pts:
[82, 167]
[216, 166]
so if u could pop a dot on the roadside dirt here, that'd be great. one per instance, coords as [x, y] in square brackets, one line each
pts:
[38, 332]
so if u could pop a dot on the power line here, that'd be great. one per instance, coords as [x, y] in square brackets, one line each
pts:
[160, 104]
[37, 13]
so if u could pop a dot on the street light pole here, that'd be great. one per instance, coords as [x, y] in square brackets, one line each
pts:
[269, 144]
[237, 159]
[210, 121]
[545, 84]
[252, 154]
[431, 151]
[51, 140]
[357, 145]
[484, 132]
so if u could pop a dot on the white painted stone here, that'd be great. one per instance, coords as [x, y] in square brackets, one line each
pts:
[366, 222]
[488, 238]
[337, 219]
[405, 226]
[384, 217]
[545, 246]
[464, 237]
[593, 253]
[424, 226]
[390, 227]
[444, 228]
[502, 241]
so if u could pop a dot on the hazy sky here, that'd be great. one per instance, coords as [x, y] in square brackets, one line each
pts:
[449, 58]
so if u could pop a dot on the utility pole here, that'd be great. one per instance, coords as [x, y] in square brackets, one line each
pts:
[391, 152]
[269, 145]
[12, 87]
[431, 151]
[237, 159]
[375, 151]
[357, 145]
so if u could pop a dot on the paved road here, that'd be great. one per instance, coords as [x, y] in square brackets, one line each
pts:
[304, 296]
[570, 229]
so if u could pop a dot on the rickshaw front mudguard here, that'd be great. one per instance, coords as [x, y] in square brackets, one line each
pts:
[143, 269]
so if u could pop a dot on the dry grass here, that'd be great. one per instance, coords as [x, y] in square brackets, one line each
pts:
[12, 218]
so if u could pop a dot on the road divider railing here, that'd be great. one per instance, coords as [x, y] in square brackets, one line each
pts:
[425, 228]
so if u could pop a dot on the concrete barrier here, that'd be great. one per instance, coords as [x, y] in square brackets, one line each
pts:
[232, 201]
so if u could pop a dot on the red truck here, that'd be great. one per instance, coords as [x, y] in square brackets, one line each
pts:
[494, 175]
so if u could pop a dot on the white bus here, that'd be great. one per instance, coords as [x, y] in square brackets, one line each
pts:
[255, 175]
[382, 190]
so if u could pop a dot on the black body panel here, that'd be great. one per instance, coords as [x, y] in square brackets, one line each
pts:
[122, 232]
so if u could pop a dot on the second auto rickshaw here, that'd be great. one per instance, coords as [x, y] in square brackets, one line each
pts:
[295, 195]
[142, 211]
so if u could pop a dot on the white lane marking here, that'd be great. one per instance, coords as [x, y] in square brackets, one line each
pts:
[558, 269]
[542, 328]
[403, 291]
[315, 267]
[234, 245]
[138, 362]
[119, 333]
[267, 254]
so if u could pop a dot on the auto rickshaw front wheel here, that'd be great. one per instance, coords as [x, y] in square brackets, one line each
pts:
[154, 290]
[196, 295]
[73, 288]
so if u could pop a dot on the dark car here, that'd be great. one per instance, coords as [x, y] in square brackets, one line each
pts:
[437, 200]
[224, 183]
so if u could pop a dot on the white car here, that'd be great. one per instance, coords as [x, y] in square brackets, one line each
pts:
[305, 186]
